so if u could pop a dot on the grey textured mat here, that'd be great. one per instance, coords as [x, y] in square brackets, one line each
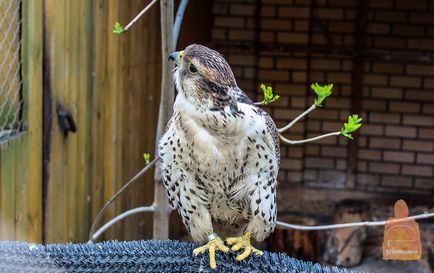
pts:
[139, 256]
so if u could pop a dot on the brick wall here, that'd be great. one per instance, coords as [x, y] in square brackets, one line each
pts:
[290, 43]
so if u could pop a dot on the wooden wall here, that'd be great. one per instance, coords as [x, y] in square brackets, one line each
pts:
[110, 84]
[52, 184]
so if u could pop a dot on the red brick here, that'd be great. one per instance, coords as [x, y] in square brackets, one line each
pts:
[362, 166]
[426, 133]
[220, 8]
[265, 62]
[428, 83]
[242, 35]
[384, 118]
[401, 131]
[368, 179]
[292, 38]
[418, 145]
[301, 25]
[299, 77]
[417, 69]
[383, 167]
[268, 11]
[388, 68]
[385, 143]
[419, 95]
[375, 79]
[399, 156]
[332, 176]
[378, 28]
[421, 44]
[291, 63]
[424, 183]
[291, 164]
[294, 12]
[425, 158]
[276, 75]
[324, 114]
[387, 93]
[338, 77]
[285, 113]
[341, 164]
[405, 107]
[232, 22]
[371, 129]
[242, 9]
[419, 120]
[276, 24]
[425, 18]
[417, 170]
[397, 181]
[334, 14]
[310, 175]
[411, 5]
[390, 43]
[405, 81]
[267, 36]
[408, 30]
[334, 151]
[327, 64]
[294, 177]
[374, 104]
[390, 16]
[369, 154]
[428, 108]
[319, 163]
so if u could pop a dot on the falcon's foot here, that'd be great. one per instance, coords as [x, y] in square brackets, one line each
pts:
[243, 242]
[215, 243]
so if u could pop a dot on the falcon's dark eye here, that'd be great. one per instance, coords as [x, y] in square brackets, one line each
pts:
[192, 68]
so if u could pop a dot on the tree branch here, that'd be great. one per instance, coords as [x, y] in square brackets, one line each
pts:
[287, 141]
[116, 195]
[281, 130]
[178, 20]
[139, 15]
[120, 217]
[356, 224]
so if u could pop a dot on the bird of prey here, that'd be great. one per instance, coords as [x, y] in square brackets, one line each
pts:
[220, 156]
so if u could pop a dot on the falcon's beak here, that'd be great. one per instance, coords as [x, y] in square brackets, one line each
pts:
[176, 57]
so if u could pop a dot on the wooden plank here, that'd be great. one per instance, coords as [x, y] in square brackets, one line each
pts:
[21, 188]
[32, 116]
[97, 109]
[69, 103]
[7, 184]
[56, 224]
[84, 77]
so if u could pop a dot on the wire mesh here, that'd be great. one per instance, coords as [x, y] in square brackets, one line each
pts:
[11, 100]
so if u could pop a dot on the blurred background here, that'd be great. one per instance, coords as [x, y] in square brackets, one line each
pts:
[79, 106]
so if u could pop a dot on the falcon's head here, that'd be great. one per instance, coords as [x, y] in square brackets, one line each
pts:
[203, 76]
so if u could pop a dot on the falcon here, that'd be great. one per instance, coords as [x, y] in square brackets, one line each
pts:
[220, 157]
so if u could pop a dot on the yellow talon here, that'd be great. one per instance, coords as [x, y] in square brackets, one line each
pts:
[243, 242]
[212, 246]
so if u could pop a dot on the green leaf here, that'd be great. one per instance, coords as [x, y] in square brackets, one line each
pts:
[353, 124]
[147, 158]
[322, 92]
[118, 29]
[269, 97]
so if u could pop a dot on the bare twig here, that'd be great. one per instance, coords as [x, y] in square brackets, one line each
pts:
[120, 217]
[287, 141]
[281, 130]
[178, 20]
[260, 103]
[116, 195]
[356, 224]
[140, 15]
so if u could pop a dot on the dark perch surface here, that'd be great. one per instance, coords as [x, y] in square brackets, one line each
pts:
[139, 256]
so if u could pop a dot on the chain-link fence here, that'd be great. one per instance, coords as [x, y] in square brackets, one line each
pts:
[11, 100]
